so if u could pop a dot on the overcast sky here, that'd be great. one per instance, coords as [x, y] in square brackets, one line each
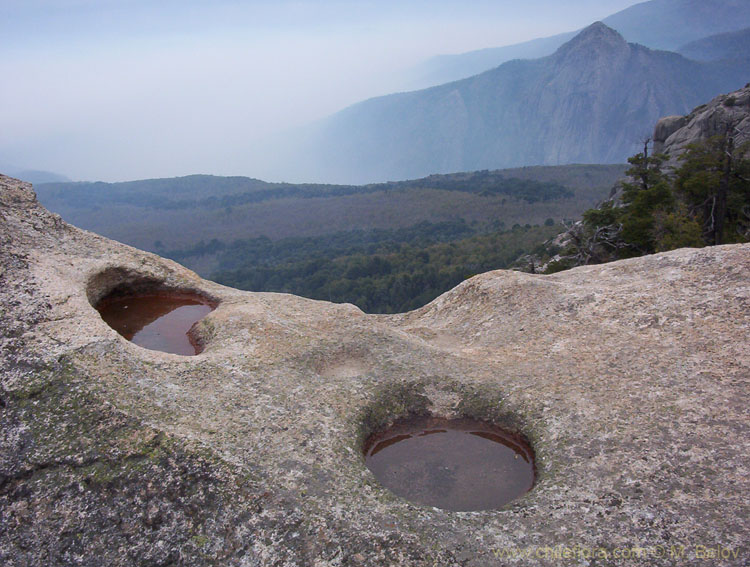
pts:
[128, 89]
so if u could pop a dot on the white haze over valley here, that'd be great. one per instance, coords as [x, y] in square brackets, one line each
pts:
[117, 90]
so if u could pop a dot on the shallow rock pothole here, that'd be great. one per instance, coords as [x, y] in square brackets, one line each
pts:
[457, 464]
[149, 313]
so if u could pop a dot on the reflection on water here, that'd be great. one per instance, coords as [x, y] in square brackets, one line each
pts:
[457, 465]
[157, 322]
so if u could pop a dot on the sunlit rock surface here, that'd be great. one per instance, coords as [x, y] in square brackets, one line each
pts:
[725, 114]
[630, 380]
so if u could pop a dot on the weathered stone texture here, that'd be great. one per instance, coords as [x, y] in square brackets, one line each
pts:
[673, 134]
[630, 379]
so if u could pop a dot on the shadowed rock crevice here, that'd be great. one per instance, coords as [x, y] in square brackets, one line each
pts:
[117, 282]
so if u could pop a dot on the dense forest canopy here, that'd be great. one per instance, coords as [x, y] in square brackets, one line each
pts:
[198, 219]
[379, 271]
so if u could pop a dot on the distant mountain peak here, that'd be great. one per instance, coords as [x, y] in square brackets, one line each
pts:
[597, 33]
[589, 102]
[598, 30]
[655, 24]
[598, 39]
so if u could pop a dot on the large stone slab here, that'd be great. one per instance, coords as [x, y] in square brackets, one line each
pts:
[629, 379]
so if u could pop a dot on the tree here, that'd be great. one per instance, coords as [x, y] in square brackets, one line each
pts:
[714, 183]
[628, 227]
[706, 202]
[646, 198]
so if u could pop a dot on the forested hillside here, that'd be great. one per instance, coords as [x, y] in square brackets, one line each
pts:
[178, 213]
[386, 247]
[380, 271]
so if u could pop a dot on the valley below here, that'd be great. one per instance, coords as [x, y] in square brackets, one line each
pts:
[385, 247]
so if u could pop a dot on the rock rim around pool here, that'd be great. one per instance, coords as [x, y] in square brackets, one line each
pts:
[157, 319]
[629, 380]
[454, 464]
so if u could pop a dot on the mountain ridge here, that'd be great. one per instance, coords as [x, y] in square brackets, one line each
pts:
[589, 102]
[730, 45]
[658, 24]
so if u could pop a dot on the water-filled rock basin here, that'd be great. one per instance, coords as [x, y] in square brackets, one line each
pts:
[456, 464]
[157, 321]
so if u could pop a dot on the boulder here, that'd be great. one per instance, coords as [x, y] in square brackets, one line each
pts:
[726, 112]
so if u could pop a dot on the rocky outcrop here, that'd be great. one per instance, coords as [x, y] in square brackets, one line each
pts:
[727, 112]
[665, 128]
[630, 380]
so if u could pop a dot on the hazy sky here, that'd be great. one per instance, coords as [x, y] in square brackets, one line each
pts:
[129, 89]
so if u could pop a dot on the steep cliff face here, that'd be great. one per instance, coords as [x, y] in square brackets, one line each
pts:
[630, 380]
[589, 102]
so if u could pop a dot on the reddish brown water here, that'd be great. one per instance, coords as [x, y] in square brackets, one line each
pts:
[458, 465]
[158, 321]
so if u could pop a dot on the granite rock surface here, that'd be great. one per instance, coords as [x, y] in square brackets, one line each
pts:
[629, 379]
[726, 113]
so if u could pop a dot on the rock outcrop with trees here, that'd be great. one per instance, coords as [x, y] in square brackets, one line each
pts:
[689, 187]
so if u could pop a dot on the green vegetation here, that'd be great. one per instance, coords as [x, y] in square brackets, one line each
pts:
[380, 271]
[705, 202]
[386, 247]
[164, 194]
[177, 213]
